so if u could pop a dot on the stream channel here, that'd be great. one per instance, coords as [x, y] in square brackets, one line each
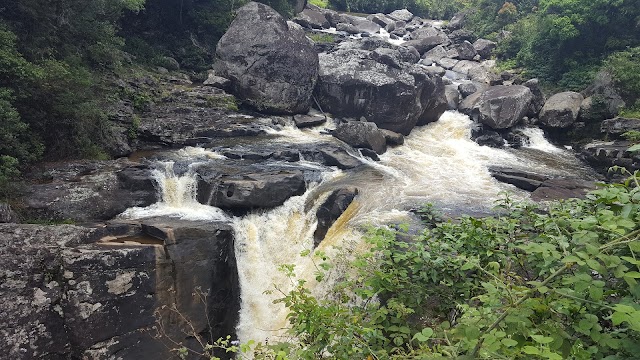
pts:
[437, 164]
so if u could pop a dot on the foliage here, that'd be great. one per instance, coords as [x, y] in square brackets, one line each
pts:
[554, 283]
[322, 38]
[320, 3]
[625, 68]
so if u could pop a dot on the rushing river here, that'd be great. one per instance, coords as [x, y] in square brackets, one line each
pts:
[438, 164]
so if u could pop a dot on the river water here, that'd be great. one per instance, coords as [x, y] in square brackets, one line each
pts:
[438, 164]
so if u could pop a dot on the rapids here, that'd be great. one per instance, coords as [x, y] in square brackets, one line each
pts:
[438, 164]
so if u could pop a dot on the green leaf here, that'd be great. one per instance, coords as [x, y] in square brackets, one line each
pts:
[633, 148]
[542, 339]
[530, 350]
[509, 342]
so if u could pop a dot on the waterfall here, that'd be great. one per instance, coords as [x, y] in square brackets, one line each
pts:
[438, 164]
[177, 194]
[538, 141]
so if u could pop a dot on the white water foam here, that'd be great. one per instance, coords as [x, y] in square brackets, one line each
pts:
[177, 197]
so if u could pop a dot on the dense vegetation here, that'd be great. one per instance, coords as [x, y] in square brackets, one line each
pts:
[58, 61]
[559, 282]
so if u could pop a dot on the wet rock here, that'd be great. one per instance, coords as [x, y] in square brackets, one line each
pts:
[490, 138]
[619, 125]
[369, 153]
[392, 138]
[561, 110]
[89, 190]
[484, 47]
[330, 155]
[304, 121]
[604, 154]
[361, 134]
[312, 18]
[271, 67]
[453, 96]
[498, 107]
[264, 189]
[524, 180]
[331, 210]
[562, 188]
[355, 81]
[348, 28]
[6, 214]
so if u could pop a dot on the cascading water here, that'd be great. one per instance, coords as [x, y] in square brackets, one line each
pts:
[177, 196]
[438, 163]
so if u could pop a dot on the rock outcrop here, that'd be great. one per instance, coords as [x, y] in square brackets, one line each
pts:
[271, 67]
[67, 295]
[379, 81]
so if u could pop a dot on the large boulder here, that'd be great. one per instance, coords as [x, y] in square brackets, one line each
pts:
[499, 107]
[425, 44]
[361, 134]
[6, 214]
[604, 90]
[457, 21]
[260, 189]
[484, 47]
[330, 211]
[561, 110]
[271, 67]
[379, 81]
[312, 18]
[466, 51]
[401, 15]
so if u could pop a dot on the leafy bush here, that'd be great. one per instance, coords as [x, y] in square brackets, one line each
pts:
[625, 67]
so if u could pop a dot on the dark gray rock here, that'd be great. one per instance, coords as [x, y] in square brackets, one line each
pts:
[271, 67]
[467, 89]
[457, 21]
[490, 138]
[330, 211]
[498, 107]
[602, 155]
[619, 125]
[361, 134]
[524, 180]
[604, 88]
[264, 189]
[303, 121]
[461, 35]
[381, 85]
[312, 18]
[453, 96]
[484, 47]
[381, 19]
[436, 53]
[538, 96]
[447, 63]
[562, 188]
[392, 138]
[66, 296]
[466, 51]
[89, 190]
[425, 44]
[401, 15]
[561, 110]
[330, 155]
[217, 81]
[348, 28]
